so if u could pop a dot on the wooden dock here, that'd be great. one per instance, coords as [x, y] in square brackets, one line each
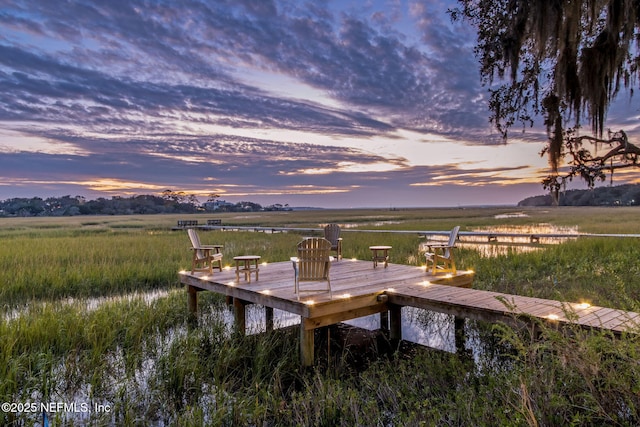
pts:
[359, 290]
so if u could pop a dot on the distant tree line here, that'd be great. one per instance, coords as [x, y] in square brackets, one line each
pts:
[169, 202]
[621, 195]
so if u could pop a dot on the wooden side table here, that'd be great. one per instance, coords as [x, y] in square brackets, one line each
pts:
[380, 254]
[247, 264]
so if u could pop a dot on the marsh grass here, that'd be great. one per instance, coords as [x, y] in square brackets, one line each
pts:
[78, 326]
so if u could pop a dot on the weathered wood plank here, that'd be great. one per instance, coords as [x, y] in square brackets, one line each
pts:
[601, 316]
[622, 318]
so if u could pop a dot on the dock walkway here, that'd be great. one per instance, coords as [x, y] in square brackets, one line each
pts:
[359, 290]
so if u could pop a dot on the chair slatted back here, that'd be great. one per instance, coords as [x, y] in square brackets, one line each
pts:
[195, 242]
[332, 234]
[453, 236]
[314, 259]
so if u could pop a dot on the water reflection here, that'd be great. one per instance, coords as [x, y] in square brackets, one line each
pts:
[511, 215]
[368, 224]
[419, 326]
[89, 304]
[422, 327]
[503, 240]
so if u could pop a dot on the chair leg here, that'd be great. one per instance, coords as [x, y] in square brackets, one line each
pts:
[194, 262]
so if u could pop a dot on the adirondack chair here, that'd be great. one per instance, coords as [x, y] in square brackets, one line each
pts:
[312, 264]
[205, 257]
[332, 234]
[439, 256]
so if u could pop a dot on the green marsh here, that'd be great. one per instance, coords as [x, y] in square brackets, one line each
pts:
[93, 312]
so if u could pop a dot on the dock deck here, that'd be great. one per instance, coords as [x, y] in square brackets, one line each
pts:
[359, 290]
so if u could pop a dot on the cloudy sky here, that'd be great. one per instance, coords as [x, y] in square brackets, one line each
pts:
[342, 103]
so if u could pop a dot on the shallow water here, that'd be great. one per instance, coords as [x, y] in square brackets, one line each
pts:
[422, 327]
[89, 304]
[517, 244]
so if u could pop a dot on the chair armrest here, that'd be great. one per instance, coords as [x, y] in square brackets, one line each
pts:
[442, 246]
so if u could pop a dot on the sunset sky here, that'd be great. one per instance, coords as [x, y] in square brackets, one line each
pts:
[318, 103]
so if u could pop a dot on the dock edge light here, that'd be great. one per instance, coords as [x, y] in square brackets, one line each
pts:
[553, 317]
[584, 305]
[310, 302]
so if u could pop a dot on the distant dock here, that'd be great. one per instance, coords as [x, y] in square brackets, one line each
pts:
[463, 236]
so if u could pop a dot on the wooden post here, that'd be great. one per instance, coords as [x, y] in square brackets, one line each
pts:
[192, 304]
[384, 320]
[268, 315]
[306, 344]
[460, 337]
[395, 322]
[192, 299]
[239, 315]
[384, 315]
